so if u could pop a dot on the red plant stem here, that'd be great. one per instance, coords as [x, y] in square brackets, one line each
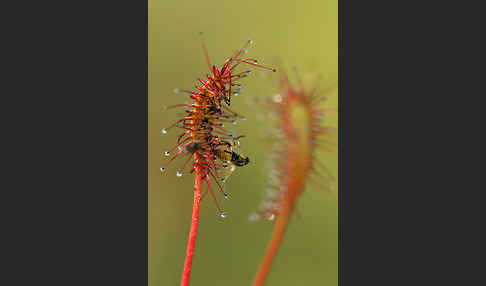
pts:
[191, 243]
[272, 249]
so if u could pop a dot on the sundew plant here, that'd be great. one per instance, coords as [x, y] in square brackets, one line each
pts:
[205, 141]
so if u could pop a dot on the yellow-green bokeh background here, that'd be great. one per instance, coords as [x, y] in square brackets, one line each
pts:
[297, 33]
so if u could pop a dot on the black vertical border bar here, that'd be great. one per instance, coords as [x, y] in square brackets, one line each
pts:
[80, 144]
[146, 142]
[340, 149]
[379, 166]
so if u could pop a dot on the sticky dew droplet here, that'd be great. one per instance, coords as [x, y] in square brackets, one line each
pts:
[254, 217]
[277, 98]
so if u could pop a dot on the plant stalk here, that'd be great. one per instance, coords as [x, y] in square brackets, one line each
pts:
[272, 249]
[191, 243]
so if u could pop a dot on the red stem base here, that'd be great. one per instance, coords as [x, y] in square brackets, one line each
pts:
[191, 243]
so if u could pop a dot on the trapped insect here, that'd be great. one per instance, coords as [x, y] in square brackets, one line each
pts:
[231, 158]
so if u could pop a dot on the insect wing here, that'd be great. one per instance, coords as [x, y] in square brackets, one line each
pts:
[236, 146]
[225, 172]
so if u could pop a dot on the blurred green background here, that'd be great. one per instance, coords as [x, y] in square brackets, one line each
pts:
[303, 34]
